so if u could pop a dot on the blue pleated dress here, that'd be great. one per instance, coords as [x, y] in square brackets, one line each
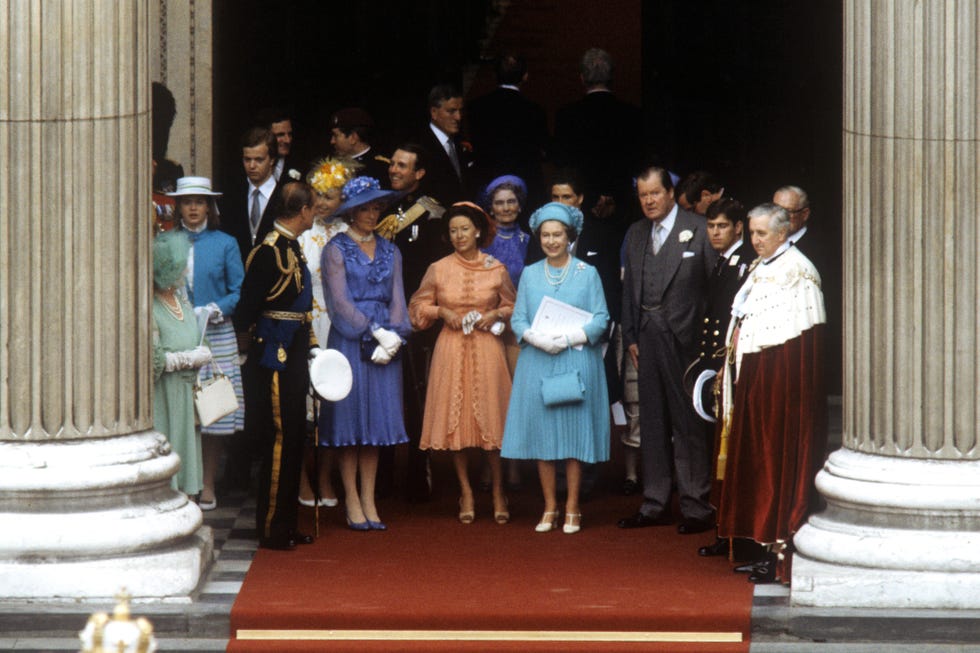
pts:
[579, 431]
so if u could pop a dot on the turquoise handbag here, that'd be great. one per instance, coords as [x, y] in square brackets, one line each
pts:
[562, 389]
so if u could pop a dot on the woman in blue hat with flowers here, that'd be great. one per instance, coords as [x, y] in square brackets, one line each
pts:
[362, 280]
[559, 406]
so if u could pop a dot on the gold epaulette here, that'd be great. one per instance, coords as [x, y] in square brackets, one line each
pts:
[270, 239]
[383, 159]
[395, 222]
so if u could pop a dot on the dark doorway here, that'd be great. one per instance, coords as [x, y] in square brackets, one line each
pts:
[748, 90]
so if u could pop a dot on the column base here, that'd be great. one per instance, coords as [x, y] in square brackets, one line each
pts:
[83, 519]
[171, 574]
[897, 533]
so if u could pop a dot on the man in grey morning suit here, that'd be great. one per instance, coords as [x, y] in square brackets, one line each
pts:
[668, 260]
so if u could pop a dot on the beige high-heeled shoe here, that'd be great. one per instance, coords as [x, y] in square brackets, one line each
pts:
[547, 522]
[466, 516]
[573, 523]
[502, 515]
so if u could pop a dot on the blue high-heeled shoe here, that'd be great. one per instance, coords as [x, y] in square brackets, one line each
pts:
[358, 526]
[376, 525]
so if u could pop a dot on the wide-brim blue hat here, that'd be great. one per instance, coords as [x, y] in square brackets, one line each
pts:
[364, 190]
[568, 215]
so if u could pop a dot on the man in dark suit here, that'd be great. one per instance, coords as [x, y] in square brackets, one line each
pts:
[509, 131]
[351, 136]
[796, 202]
[450, 163]
[668, 260]
[600, 136]
[288, 163]
[249, 205]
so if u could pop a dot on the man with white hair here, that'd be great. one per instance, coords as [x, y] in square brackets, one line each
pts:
[774, 428]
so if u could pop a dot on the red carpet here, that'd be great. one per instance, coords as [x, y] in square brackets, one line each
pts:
[431, 573]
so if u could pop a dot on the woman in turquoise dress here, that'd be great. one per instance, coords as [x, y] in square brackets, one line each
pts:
[570, 428]
[177, 357]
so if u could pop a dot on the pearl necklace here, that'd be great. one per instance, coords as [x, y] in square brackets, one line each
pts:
[557, 279]
[172, 304]
[361, 239]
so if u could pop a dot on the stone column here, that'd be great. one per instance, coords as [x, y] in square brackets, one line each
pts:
[86, 505]
[902, 524]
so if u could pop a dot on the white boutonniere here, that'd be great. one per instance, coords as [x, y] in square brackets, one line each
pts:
[294, 174]
[685, 235]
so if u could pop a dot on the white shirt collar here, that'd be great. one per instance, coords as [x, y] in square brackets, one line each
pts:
[362, 152]
[799, 234]
[266, 188]
[667, 223]
[731, 250]
[441, 135]
[510, 86]
[278, 168]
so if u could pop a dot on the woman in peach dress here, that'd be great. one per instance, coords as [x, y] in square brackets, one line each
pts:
[469, 384]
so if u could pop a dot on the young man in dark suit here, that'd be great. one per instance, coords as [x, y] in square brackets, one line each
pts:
[250, 203]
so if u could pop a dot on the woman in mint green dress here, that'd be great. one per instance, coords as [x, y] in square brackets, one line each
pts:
[177, 356]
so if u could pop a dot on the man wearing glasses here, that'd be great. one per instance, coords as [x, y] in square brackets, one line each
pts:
[794, 199]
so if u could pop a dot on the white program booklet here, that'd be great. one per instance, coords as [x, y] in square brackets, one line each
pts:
[555, 316]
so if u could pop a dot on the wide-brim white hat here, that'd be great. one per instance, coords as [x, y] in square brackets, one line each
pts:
[194, 186]
[330, 375]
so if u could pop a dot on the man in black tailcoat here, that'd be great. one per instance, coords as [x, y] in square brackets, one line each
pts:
[249, 204]
[449, 162]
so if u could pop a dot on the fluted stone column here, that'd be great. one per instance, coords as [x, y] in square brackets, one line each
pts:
[902, 526]
[86, 505]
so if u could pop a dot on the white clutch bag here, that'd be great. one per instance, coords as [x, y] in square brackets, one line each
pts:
[214, 398]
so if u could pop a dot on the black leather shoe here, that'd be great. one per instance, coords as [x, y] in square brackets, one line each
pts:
[630, 487]
[719, 548]
[692, 526]
[748, 567]
[278, 543]
[301, 538]
[764, 572]
[639, 520]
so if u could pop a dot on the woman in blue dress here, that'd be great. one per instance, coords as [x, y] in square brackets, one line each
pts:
[504, 199]
[362, 281]
[542, 424]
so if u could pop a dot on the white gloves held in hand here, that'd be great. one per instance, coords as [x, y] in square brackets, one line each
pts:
[389, 340]
[380, 356]
[186, 360]
[549, 343]
[553, 343]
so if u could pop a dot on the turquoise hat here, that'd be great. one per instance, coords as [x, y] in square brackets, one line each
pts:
[568, 215]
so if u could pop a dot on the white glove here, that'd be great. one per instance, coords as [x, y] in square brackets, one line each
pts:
[216, 317]
[576, 337]
[546, 342]
[199, 356]
[314, 352]
[387, 339]
[497, 328]
[380, 356]
[469, 320]
[186, 360]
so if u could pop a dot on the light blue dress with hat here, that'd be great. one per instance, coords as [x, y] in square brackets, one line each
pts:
[580, 431]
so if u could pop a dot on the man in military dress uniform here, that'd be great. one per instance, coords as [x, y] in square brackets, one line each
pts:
[415, 225]
[273, 320]
[725, 223]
